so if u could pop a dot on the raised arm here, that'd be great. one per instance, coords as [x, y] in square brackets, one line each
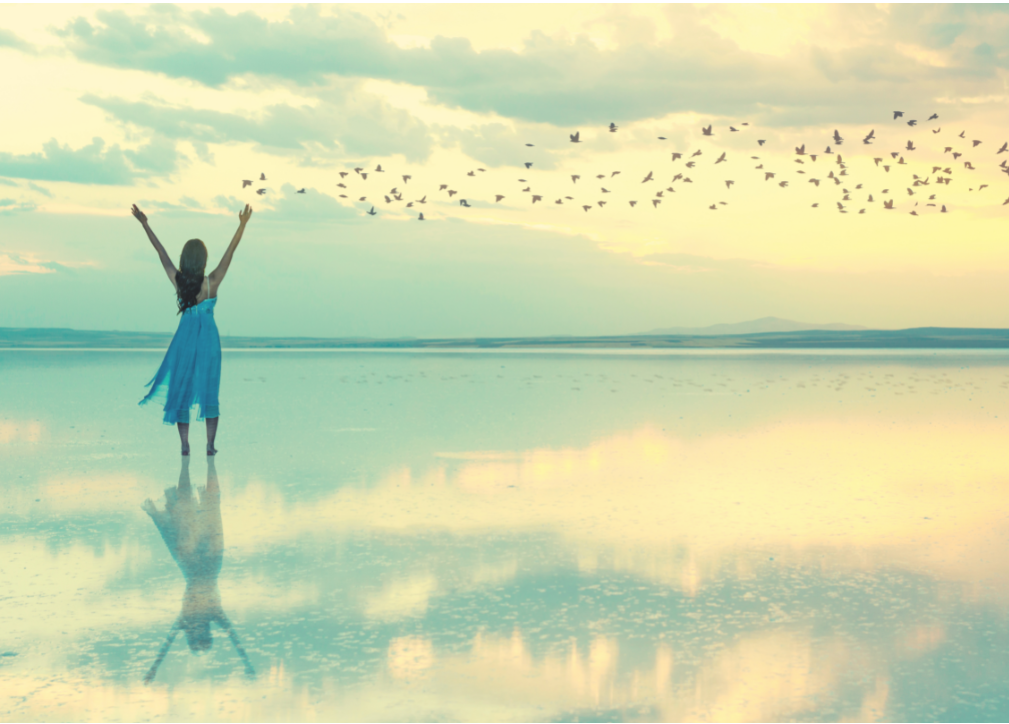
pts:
[217, 276]
[166, 261]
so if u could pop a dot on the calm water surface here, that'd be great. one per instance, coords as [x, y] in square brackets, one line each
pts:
[510, 536]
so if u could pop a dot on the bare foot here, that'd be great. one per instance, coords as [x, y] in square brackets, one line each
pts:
[185, 448]
[211, 450]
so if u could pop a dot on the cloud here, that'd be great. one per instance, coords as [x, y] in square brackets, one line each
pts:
[91, 164]
[565, 81]
[44, 191]
[11, 263]
[10, 40]
[347, 121]
[7, 182]
[10, 206]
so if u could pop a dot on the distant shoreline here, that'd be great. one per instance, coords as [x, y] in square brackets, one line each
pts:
[921, 338]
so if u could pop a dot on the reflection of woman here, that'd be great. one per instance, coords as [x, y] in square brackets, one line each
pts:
[194, 534]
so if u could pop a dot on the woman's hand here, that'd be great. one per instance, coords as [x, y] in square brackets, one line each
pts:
[141, 216]
[243, 216]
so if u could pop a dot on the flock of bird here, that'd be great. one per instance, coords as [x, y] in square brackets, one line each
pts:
[354, 184]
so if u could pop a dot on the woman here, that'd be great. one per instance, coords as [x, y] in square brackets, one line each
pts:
[191, 371]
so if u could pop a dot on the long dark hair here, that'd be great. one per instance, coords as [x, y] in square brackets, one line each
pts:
[189, 277]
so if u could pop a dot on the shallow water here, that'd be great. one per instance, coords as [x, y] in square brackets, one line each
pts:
[516, 536]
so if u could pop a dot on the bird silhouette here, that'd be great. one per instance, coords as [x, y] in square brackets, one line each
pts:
[421, 217]
[912, 123]
[407, 178]
[378, 169]
[720, 158]
[648, 177]
[910, 146]
[601, 203]
[632, 203]
[260, 191]
[471, 173]
[529, 144]
[575, 137]
[574, 179]
[246, 183]
[695, 153]
[677, 155]
[656, 202]
[358, 170]
[976, 144]
[262, 177]
[897, 114]
[770, 174]
[344, 174]
[498, 197]
[586, 207]
[691, 164]
[759, 142]
[537, 198]
[423, 199]
[888, 204]
[300, 191]
[372, 212]
[364, 176]
[706, 131]
[868, 139]
[962, 134]
[936, 130]
[728, 184]
[613, 128]
[529, 164]
[713, 207]
[943, 209]
[933, 116]
[734, 130]
[443, 187]
[837, 138]
[783, 184]
[452, 193]
[1005, 146]
[463, 202]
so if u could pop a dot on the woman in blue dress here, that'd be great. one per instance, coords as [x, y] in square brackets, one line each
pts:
[191, 371]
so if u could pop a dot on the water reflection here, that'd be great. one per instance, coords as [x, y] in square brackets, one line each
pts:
[194, 534]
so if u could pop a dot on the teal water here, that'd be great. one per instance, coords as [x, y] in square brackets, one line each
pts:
[513, 536]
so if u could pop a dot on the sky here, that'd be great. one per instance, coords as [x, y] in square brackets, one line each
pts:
[171, 107]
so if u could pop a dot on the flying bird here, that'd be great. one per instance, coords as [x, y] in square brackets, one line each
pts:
[260, 191]
[677, 155]
[656, 202]
[300, 191]
[911, 123]
[262, 177]
[344, 173]
[888, 204]
[944, 206]
[720, 158]
[378, 169]
[574, 179]
[613, 127]
[868, 139]
[601, 203]
[897, 114]
[962, 134]
[529, 164]
[529, 144]
[246, 183]
[443, 187]
[877, 160]
[933, 116]
[976, 144]
[497, 198]
[586, 207]
[452, 193]
[837, 138]
[695, 153]
[728, 184]
[734, 130]
[783, 184]
[706, 131]
[770, 174]
[936, 130]
[575, 137]
[648, 177]
[372, 212]
[632, 203]
[464, 202]
[690, 164]
[910, 146]
[537, 198]
[364, 176]
[471, 173]
[713, 207]
[761, 142]
[1005, 146]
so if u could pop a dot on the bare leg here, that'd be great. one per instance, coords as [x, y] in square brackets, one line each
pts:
[211, 434]
[184, 434]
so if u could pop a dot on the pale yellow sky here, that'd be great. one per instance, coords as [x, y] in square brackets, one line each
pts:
[525, 74]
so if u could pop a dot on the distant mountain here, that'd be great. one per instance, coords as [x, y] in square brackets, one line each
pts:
[756, 326]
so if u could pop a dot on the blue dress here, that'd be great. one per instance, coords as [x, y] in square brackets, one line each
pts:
[191, 371]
